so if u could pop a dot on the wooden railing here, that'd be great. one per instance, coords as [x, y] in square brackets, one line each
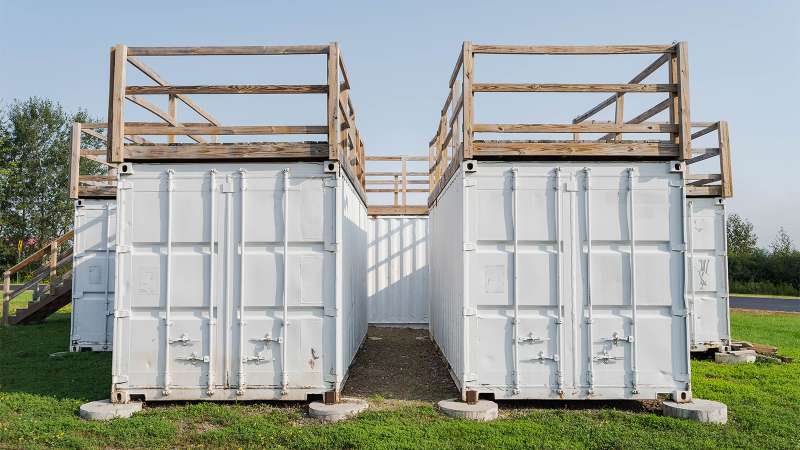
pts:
[57, 255]
[397, 182]
[718, 184]
[343, 141]
[455, 138]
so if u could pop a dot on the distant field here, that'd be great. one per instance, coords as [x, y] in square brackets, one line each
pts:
[40, 396]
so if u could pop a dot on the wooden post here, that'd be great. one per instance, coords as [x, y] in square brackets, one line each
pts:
[395, 190]
[116, 104]
[172, 110]
[53, 264]
[685, 125]
[75, 161]
[725, 160]
[405, 182]
[6, 296]
[467, 94]
[619, 118]
[333, 101]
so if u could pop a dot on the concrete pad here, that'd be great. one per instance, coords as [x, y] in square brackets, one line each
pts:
[735, 357]
[698, 410]
[105, 410]
[483, 410]
[347, 408]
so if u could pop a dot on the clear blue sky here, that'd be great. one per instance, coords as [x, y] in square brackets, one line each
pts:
[744, 64]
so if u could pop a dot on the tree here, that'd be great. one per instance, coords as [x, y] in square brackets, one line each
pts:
[742, 239]
[782, 244]
[35, 139]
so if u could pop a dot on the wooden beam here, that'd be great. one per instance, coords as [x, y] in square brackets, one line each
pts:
[391, 182]
[457, 67]
[713, 190]
[468, 99]
[396, 158]
[725, 160]
[572, 49]
[702, 154]
[646, 115]
[261, 150]
[230, 89]
[711, 128]
[584, 127]
[333, 101]
[523, 87]
[161, 81]
[685, 133]
[75, 161]
[569, 148]
[392, 190]
[391, 174]
[98, 191]
[637, 79]
[233, 50]
[160, 113]
[116, 100]
[389, 210]
[233, 130]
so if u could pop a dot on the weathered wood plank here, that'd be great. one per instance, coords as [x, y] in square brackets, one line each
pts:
[98, 191]
[568, 148]
[571, 49]
[391, 174]
[333, 101]
[232, 130]
[389, 210]
[232, 50]
[704, 191]
[685, 133]
[230, 89]
[396, 158]
[725, 160]
[468, 99]
[392, 190]
[584, 127]
[646, 115]
[75, 161]
[116, 100]
[557, 87]
[260, 150]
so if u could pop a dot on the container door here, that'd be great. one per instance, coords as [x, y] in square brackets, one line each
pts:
[629, 278]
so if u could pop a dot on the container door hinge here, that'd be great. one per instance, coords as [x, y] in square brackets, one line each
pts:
[678, 247]
[331, 246]
[123, 249]
[77, 293]
[120, 313]
[469, 246]
[469, 311]
[330, 311]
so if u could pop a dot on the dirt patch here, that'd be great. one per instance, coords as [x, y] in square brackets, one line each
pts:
[399, 364]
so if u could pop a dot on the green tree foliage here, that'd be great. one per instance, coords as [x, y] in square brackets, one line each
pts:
[35, 137]
[757, 271]
[742, 239]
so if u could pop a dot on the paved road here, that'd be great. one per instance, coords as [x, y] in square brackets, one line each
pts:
[769, 304]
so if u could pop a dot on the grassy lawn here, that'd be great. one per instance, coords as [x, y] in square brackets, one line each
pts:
[40, 396]
[788, 297]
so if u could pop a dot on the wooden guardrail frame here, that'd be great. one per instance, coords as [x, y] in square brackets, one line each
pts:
[454, 140]
[399, 182]
[343, 143]
[49, 250]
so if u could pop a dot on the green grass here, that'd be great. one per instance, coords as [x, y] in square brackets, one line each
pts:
[788, 297]
[40, 396]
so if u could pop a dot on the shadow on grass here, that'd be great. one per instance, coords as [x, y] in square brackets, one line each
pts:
[28, 366]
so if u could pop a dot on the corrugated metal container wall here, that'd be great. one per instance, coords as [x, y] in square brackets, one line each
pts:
[398, 270]
[93, 275]
[708, 277]
[237, 283]
[557, 280]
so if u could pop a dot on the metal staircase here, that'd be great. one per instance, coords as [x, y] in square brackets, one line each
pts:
[56, 268]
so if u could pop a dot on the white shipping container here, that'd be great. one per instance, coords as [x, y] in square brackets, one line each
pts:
[562, 280]
[243, 281]
[93, 275]
[708, 278]
[398, 270]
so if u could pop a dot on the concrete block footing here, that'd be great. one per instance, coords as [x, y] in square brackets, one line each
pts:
[698, 410]
[735, 357]
[345, 409]
[105, 410]
[483, 410]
